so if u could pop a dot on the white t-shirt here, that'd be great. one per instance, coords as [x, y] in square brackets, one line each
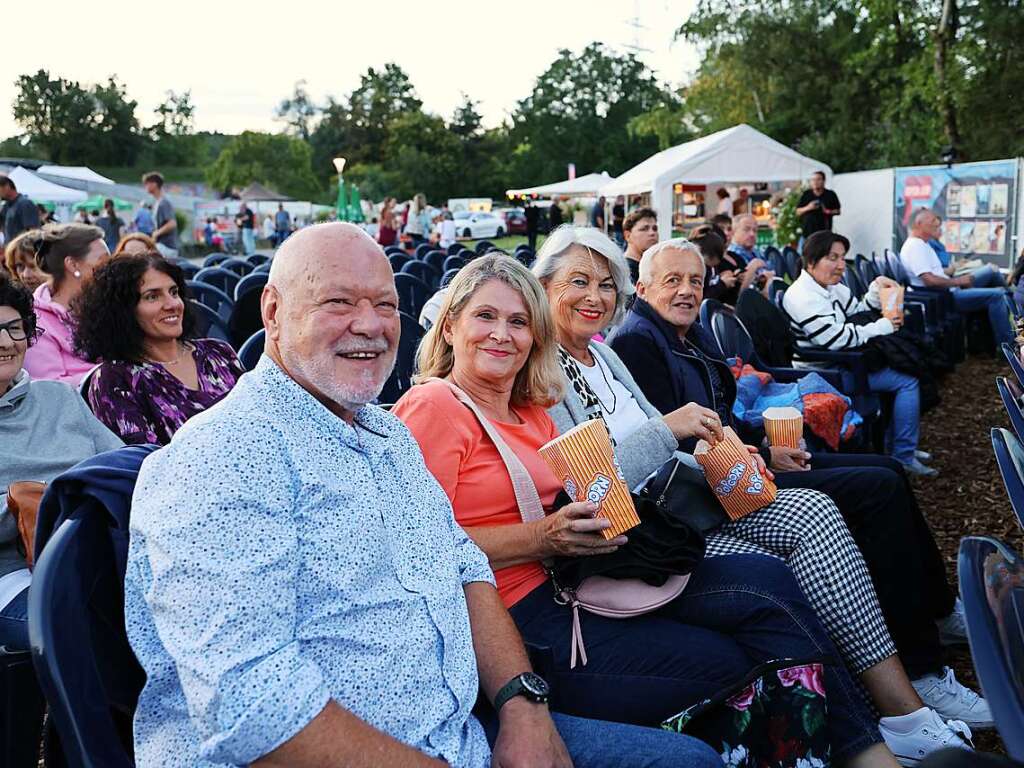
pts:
[622, 413]
[447, 232]
[918, 258]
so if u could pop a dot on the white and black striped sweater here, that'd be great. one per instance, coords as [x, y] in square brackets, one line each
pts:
[818, 315]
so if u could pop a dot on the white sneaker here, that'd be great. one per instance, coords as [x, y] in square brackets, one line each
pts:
[953, 628]
[922, 456]
[911, 738]
[952, 700]
[915, 467]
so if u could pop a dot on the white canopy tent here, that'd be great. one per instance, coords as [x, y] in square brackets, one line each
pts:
[736, 155]
[582, 186]
[76, 172]
[43, 191]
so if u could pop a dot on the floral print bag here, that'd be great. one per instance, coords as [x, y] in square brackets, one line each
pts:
[775, 717]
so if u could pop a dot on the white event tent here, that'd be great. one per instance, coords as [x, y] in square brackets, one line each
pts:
[736, 155]
[43, 191]
[76, 172]
[582, 186]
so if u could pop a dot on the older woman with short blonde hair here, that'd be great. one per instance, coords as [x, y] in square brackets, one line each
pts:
[488, 367]
[20, 259]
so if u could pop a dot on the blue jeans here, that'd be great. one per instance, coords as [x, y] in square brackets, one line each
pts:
[993, 300]
[905, 428]
[249, 240]
[599, 744]
[738, 611]
[14, 623]
[988, 277]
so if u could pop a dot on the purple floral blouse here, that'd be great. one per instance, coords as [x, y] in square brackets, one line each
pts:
[144, 403]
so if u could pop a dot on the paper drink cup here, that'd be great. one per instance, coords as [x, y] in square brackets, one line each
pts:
[584, 461]
[733, 475]
[891, 298]
[785, 426]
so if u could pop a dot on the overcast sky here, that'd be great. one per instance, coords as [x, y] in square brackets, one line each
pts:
[240, 59]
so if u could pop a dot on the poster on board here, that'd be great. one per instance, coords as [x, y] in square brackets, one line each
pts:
[974, 200]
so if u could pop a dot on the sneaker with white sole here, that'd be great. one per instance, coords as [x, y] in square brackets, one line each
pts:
[915, 467]
[922, 456]
[953, 628]
[911, 738]
[952, 700]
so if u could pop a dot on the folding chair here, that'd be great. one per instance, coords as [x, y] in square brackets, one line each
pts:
[215, 258]
[212, 297]
[1010, 393]
[991, 579]
[400, 379]
[412, 293]
[224, 279]
[423, 271]
[240, 267]
[209, 324]
[251, 282]
[1012, 357]
[436, 259]
[252, 350]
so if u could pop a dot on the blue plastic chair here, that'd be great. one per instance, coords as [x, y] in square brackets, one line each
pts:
[209, 325]
[257, 258]
[250, 352]
[212, 297]
[447, 277]
[483, 247]
[264, 268]
[215, 258]
[251, 282]
[189, 269]
[412, 293]
[456, 248]
[436, 259]
[791, 261]
[400, 379]
[453, 262]
[423, 271]
[224, 279]
[240, 267]
[394, 249]
[1010, 394]
[1010, 458]
[1011, 357]
[991, 579]
[422, 250]
[398, 260]
[80, 649]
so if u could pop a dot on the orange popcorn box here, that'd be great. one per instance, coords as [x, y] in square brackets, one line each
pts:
[784, 426]
[891, 298]
[584, 461]
[733, 475]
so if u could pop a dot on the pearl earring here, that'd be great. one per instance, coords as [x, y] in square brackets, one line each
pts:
[77, 273]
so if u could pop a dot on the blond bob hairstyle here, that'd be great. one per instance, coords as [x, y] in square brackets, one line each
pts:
[540, 381]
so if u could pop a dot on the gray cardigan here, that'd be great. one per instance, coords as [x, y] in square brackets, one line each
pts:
[642, 452]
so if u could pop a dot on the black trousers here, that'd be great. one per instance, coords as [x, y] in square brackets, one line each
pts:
[905, 564]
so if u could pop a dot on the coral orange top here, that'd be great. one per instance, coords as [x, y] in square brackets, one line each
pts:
[467, 465]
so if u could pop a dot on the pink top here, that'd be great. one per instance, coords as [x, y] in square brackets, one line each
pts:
[52, 355]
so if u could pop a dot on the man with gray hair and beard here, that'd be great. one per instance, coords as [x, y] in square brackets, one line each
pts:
[297, 589]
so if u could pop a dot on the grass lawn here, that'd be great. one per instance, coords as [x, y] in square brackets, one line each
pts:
[507, 243]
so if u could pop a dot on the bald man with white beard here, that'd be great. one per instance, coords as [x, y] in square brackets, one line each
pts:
[297, 589]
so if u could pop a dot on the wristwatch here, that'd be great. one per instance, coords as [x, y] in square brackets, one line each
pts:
[532, 686]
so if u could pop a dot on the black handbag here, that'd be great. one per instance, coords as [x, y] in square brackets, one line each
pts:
[682, 489]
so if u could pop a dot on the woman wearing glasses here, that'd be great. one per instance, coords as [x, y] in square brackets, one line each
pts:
[32, 414]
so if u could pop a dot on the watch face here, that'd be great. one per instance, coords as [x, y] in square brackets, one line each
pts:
[535, 684]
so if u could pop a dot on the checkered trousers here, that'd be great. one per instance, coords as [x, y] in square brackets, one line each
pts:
[804, 528]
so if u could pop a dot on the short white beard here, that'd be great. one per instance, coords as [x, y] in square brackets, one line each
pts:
[352, 395]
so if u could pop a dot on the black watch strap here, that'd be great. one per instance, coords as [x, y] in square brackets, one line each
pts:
[530, 685]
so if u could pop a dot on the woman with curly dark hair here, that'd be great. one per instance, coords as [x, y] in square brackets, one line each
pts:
[133, 316]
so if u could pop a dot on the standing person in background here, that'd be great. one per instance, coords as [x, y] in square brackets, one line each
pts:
[144, 220]
[724, 202]
[166, 232]
[532, 214]
[817, 206]
[597, 214]
[387, 232]
[18, 213]
[267, 229]
[741, 204]
[246, 223]
[555, 218]
[282, 224]
[111, 224]
[417, 224]
[447, 229]
[618, 215]
[640, 230]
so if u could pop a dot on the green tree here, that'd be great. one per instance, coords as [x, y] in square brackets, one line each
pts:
[298, 111]
[174, 141]
[279, 161]
[579, 111]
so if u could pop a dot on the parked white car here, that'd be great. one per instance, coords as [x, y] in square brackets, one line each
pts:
[477, 225]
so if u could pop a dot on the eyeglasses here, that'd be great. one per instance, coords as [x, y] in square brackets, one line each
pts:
[16, 329]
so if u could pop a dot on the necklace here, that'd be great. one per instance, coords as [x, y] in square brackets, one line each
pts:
[615, 399]
[183, 347]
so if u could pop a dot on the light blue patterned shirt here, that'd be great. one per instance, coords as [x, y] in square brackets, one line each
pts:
[280, 558]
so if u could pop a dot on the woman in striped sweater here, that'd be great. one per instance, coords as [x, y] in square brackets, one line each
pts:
[819, 307]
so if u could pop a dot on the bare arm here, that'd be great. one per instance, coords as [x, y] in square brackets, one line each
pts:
[934, 281]
[336, 737]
